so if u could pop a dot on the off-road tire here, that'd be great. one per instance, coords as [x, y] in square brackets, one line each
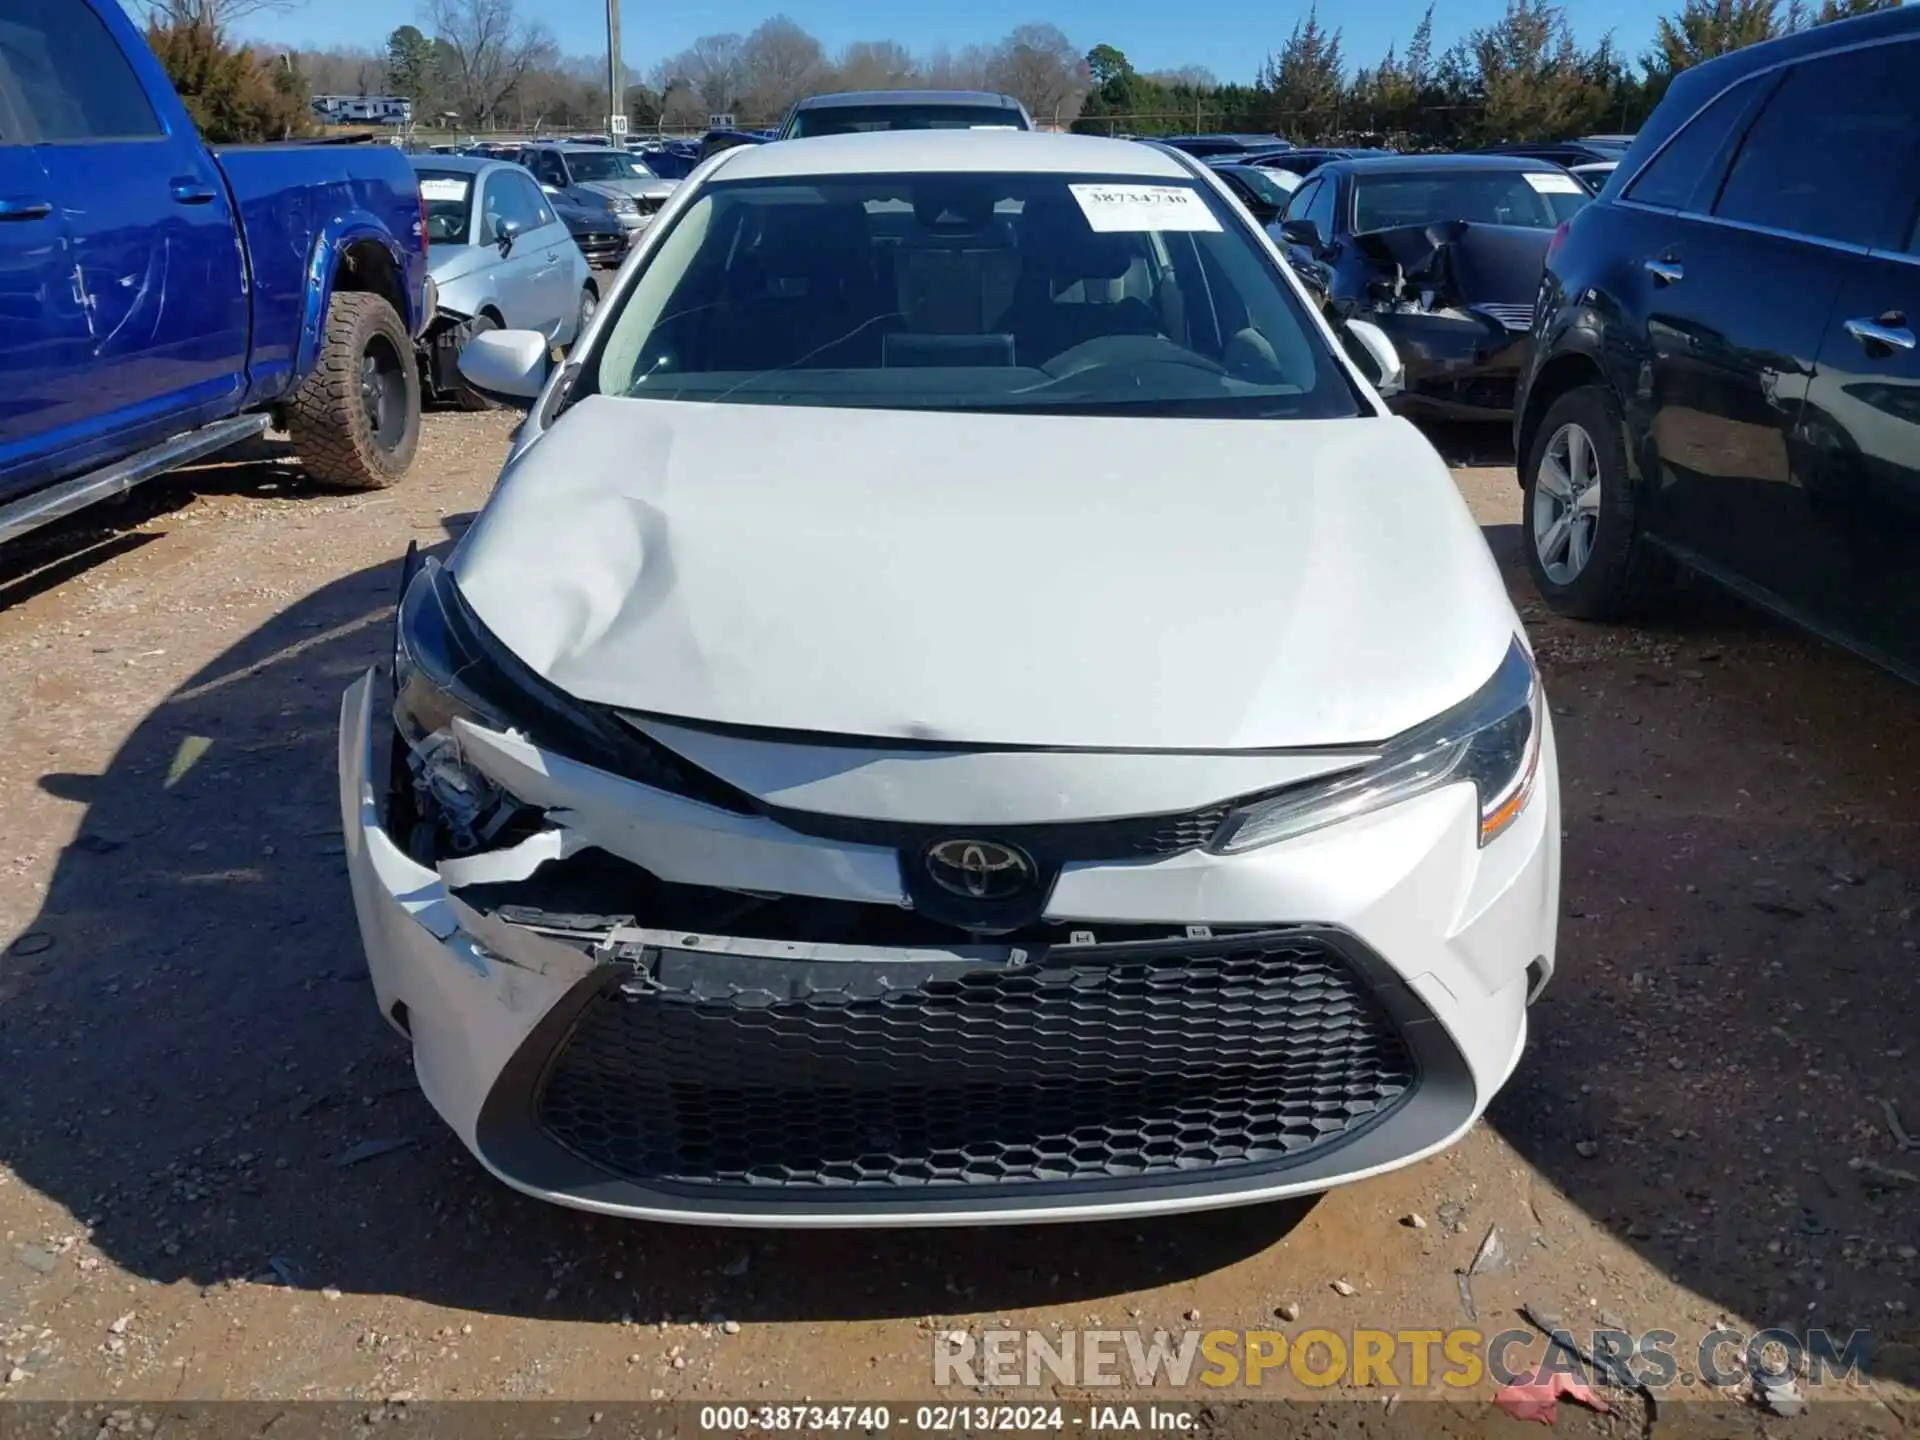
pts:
[464, 395]
[1625, 575]
[328, 416]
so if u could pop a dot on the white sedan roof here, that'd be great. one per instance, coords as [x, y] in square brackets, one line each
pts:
[885, 152]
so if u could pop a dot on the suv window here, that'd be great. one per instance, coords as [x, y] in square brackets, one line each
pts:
[1816, 160]
[1685, 174]
[548, 170]
[65, 71]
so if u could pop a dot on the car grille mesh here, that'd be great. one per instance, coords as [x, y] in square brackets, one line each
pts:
[1142, 838]
[1199, 1056]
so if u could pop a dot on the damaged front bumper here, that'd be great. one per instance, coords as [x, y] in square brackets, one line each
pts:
[1463, 367]
[1196, 1031]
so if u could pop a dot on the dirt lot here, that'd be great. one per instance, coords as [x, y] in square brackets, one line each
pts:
[191, 1066]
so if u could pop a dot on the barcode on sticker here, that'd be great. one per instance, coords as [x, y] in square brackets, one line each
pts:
[1113, 208]
[1544, 184]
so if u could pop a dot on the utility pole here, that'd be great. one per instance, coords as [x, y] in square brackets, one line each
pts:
[616, 88]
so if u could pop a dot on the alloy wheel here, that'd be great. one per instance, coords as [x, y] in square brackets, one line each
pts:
[1566, 504]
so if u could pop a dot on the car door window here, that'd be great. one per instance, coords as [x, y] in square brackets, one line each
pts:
[1320, 208]
[529, 202]
[510, 202]
[67, 77]
[551, 171]
[1302, 198]
[1816, 160]
[1686, 173]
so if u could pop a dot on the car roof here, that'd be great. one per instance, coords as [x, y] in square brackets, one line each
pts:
[1423, 164]
[983, 99]
[467, 164]
[1694, 87]
[934, 151]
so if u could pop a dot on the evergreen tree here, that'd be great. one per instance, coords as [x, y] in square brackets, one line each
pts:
[234, 95]
[1304, 83]
[409, 63]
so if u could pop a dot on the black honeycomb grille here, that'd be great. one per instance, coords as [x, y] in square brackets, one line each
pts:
[1206, 1056]
[1052, 844]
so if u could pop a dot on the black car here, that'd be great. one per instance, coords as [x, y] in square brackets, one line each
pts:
[1264, 196]
[1567, 153]
[1726, 377]
[1443, 252]
[1206, 146]
[1303, 161]
[599, 234]
[851, 112]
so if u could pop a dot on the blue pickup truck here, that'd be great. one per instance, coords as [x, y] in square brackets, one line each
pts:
[161, 300]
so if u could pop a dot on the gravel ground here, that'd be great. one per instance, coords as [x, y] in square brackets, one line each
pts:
[193, 1068]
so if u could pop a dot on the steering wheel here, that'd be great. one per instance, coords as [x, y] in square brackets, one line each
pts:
[1126, 352]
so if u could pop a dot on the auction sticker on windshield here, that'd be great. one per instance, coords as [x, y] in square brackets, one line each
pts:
[440, 189]
[1111, 208]
[1545, 184]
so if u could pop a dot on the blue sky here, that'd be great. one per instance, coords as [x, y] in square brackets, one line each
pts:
[1229, 37]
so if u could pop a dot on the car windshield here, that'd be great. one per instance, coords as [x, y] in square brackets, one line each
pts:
[852, 119]
[1263, 185]
[605, 165]
[449, 198]
[1033, 292]
[1534, 200]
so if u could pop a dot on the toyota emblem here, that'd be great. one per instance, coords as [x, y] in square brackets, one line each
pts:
[979, 869]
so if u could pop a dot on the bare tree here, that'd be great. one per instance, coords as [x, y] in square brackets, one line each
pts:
[1039, 67]
[1190, 77]
[779, 63]
[968, 68]
[712, 68]
[488, 51]
[343, 71]
[218, 15]
[877, 65]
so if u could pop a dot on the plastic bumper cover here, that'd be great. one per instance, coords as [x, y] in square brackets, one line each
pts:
[1443, 931]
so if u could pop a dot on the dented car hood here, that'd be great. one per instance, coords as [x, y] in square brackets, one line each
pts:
[991, 579]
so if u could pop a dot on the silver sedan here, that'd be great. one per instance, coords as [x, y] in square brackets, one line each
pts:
[501, 259]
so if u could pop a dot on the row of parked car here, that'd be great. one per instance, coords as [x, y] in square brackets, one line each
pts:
[1732, 313]
[1703, 335]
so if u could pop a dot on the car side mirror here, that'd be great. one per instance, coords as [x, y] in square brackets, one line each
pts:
[503, 232]
[1369, 348]
[510, 366]
[1305, 233]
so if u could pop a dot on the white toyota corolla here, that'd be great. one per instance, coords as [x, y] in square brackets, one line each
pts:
[963, 706]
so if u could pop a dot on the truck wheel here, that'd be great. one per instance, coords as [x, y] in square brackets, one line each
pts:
[466, 396]
[356, 419]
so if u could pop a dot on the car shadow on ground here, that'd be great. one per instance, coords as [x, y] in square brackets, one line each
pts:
[44, 559]
[1471, 443]
[192, 1053]
[194, 1066]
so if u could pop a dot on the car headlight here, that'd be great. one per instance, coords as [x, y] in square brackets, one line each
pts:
[1491, 741]
[624, 205]
[447, 665]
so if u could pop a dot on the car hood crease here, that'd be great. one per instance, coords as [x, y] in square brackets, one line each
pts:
[991, 579]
